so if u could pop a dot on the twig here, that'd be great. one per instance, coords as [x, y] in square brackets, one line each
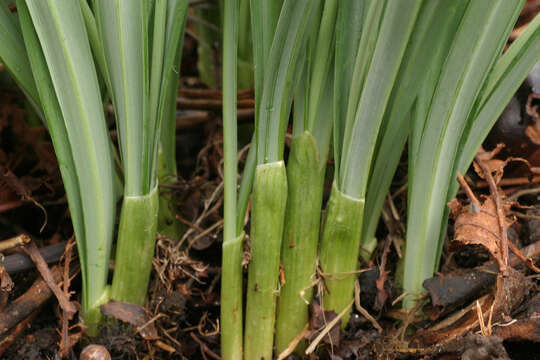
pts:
[523, 192]
[363, 311]
[11, 205]
[10, 339]
[500, 213]
[20, 262]
[480, 315]
[160, 344]
[468, 190]
[382, 295]
[511, 181]
[212, 93]
[14, 242]
[204, 233]
[205, 347]
[65, 341]
[27, 303]
[210, 104]
[401, 190]
[528, 261]
[327, 329]
[400, 297]
[525, 216]
[32, 251]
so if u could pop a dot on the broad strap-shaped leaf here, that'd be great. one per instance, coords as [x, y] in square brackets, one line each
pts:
[279, 70]
[13, 54]
[359, 142]
[64, 41]
[123, 29]
[476, 45]
[57, 131]
[168, 89]
[95, 43]
[421, 67]
[348, 33]
[506, 77]
[264, 16]
[371, 26]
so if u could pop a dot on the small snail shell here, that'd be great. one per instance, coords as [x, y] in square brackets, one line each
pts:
[95, 352]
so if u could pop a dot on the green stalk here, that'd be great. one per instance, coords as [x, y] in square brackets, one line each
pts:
[123, 29]
[340, 245]
[143, 75]
[231, 273]
[305, 176]
[278, 75]
[376, 71]
[269, 202]
[275, 75]
[135, 250]
[506, 77]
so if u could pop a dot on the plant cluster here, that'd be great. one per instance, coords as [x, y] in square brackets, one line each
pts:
[366, 78]
[71, 57]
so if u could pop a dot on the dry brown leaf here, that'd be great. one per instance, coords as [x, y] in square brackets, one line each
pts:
[319, 320]
[132, 314]
[478, 226]
[484, 155]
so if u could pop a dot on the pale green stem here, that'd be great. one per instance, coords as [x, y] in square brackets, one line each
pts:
[135, 249]
[269, 202]
[231, 270]
[340, 246]
[305, 177]
[231, 299]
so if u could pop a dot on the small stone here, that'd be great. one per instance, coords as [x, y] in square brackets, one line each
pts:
[95, 352]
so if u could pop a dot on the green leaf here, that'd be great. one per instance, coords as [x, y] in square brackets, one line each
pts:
[506, 77]
[279, 70]
[13, 55]
[168, 89]
[348, 34]
[231, 283]
[467, 66]
[361, 134]
[57, 131]
[123, 29]
[64, 41]
[419, 71]
[95, 43]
